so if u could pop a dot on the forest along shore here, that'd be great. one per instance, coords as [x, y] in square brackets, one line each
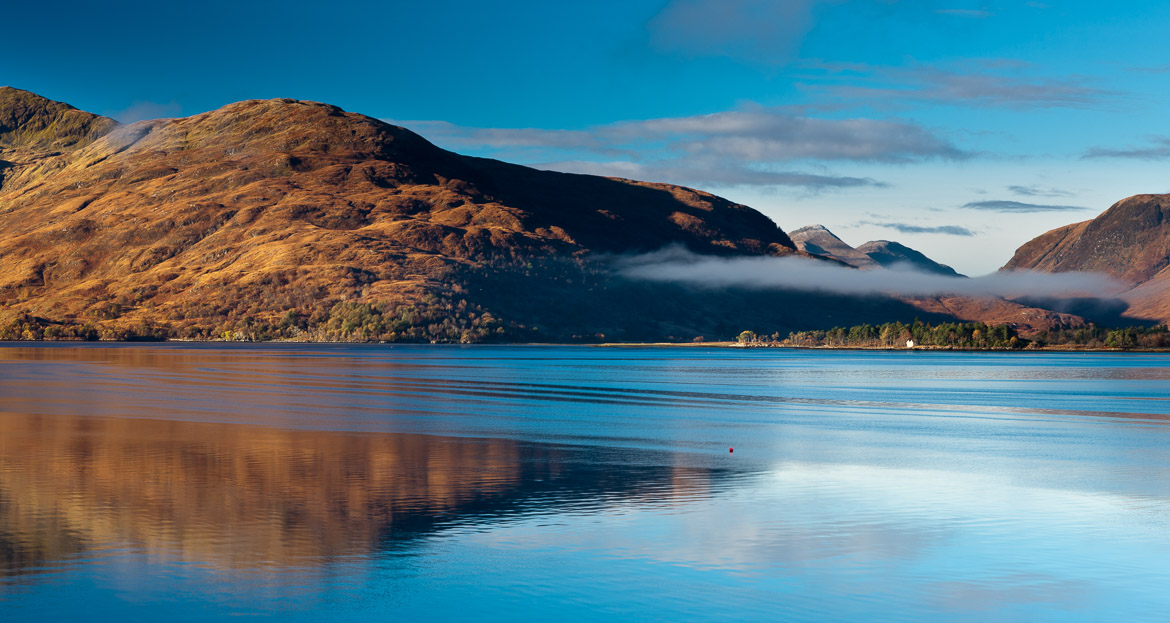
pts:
[966, 336]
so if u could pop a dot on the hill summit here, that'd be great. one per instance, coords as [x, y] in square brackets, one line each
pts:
[818, 240]
[292, 219]
[272, 211]
[29, 121]
[1129, 241]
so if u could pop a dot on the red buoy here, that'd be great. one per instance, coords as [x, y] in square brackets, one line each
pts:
[730, 450]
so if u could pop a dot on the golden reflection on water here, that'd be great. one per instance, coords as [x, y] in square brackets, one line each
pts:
[235, 496]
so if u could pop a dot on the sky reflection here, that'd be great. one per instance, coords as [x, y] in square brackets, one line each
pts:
[570, 483]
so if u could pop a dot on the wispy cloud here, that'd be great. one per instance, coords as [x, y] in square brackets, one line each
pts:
[909, 228]
[1159, 149]
[687, 172]
[753, 133]
[501, 138]
[771, 134]
[753, 145]
[750, 146]
[1039, 191]
[1018, 207]
[139, 111]
[793, 273]
[771, 32]
[982, 82]
[971, 13]
[1155, 69]
[756, 30]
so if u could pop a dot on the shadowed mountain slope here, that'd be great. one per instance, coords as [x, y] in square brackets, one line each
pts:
[888, 253]
[818, 240]
[285, 218]
[1129, 241]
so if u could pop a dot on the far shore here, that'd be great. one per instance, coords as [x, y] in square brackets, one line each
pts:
[1038, 349]
[716, 344]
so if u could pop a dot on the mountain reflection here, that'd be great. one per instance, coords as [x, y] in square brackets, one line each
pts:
[239, 496]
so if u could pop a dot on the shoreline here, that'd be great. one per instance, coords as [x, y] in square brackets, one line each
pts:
[720, 344]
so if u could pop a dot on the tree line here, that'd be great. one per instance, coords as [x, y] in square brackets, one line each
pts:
[430, 320]
[966, 335]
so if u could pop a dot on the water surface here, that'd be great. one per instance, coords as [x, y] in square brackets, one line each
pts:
[330, 482]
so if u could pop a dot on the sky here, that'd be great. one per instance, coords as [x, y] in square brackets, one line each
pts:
[960, 128]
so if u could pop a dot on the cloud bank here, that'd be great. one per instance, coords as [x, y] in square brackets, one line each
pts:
[1158, 150]
[758, 30]
[796, 273]
[753, 133]
[909, 228]
[977, 82]
[141, 111]
[1018, 207]
[716, 174]
[1039, 191]
[750, 146]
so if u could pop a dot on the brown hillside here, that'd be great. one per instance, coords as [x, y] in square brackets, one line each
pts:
[284, 218]
[1130, 241]
[31, 122]
[295, 202]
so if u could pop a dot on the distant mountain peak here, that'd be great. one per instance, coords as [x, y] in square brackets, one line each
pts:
[816, 227]
[818, 240]
[889, 253]
[289, 218]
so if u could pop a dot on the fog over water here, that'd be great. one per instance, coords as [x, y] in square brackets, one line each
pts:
[676, 264]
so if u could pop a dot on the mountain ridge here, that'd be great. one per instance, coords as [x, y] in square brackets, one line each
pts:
[1129, 241]
[891, 254]
[284, 218]
[819, 240]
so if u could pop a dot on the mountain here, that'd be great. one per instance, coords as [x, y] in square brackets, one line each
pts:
[889, 254]
[33, 123]
[1130, 241]
[285, 218]
[818, 240]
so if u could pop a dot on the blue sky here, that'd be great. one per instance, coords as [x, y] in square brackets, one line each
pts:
[960, 128]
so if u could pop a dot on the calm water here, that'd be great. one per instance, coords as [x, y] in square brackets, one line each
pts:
[183, 482]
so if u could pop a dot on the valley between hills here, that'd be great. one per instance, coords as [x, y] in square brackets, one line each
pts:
[295, 220]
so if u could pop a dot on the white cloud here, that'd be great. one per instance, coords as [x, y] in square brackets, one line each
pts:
[999, 205]
[1004, 83]
[758, 30]
[796, 273]
[1159, 149]
[141, 110]
[687, 172]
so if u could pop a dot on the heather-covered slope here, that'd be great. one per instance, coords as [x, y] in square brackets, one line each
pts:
[1130, 241]
[284, 218]
[262, 207]
[34, 123]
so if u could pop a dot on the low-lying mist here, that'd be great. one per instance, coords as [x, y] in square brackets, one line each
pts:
[675, 264]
